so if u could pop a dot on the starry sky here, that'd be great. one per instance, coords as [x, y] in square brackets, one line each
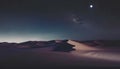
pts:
[23, 20]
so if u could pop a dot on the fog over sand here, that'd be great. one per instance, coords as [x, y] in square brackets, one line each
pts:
[97, 53]
[83, 56]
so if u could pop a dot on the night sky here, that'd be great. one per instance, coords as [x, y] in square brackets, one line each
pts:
[23, 20]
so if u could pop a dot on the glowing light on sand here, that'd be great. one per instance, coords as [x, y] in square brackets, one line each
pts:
[98, 55]
[80, 46]
[92, 52]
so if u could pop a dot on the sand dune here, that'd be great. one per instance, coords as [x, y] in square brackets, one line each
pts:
[104, 55]
[83, 56]
[81, 46]
[95, 53]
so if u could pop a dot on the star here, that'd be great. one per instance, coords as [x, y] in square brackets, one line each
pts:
[91, 6]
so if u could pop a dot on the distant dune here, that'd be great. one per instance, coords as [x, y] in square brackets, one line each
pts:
[78, 45]
[56, 54]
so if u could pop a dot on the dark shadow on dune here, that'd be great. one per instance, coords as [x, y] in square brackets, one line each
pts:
[63, 46]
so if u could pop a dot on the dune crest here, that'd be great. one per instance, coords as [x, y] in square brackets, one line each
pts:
[81, 46]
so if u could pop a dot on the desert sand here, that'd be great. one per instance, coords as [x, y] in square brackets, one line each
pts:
[83, 56]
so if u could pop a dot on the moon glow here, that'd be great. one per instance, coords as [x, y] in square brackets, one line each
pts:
[91, 6]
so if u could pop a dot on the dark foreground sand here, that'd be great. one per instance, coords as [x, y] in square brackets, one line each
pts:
[45, 58]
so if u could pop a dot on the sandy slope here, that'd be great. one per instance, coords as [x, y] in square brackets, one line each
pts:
[96, 53]
[45, 57]
[81, 46]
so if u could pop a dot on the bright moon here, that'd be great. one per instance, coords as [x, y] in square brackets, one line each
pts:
[91, 6]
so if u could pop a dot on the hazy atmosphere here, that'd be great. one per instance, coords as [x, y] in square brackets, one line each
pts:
[23, 20]
[65, 34]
